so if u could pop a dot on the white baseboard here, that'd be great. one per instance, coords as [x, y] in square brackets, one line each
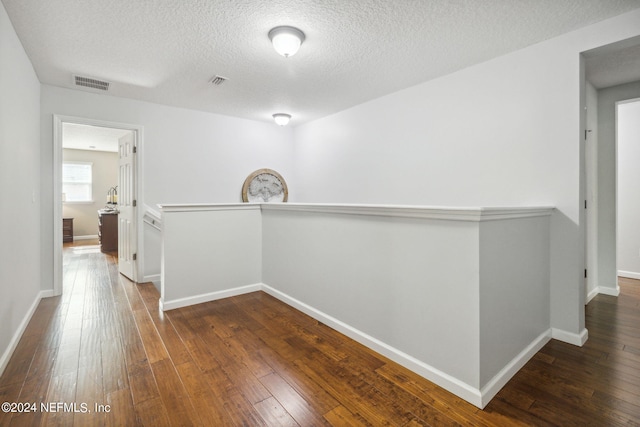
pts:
[495, 385]
[629, 274]
[6, 356]
[479, 398]
[88, 237]
[47, 294]
[609, 291]
[591, 295]
[603, 290]
[570, 337]
[151, 278]
[212, 296]
[446, 381]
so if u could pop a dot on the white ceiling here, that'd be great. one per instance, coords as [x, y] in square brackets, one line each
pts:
[355, 50]
[96, 138]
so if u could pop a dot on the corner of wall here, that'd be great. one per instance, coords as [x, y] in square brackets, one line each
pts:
[570, 337]
[15, 339]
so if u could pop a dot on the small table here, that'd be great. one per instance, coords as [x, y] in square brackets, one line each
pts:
[67, 230]
[108, 230]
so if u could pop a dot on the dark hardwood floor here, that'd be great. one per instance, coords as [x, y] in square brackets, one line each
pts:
[251, 360]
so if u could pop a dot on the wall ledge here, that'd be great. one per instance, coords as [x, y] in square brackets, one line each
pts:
[473, 214]
[192, 207]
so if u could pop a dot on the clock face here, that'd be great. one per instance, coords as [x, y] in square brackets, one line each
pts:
[264, 186]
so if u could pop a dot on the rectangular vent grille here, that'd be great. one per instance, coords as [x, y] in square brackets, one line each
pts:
[218, 80]
[91, 83]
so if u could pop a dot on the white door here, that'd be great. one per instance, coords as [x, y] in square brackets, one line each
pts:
[127, 243]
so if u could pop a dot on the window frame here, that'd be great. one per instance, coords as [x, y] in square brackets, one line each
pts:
[77, 202]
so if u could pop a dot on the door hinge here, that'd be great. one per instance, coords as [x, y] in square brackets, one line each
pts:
[135, 257]
[585, 273]
[135, 203]
[586, 132]
[135, 148]
[585, 204]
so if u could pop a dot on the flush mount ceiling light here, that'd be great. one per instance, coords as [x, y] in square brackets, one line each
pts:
[282, 119]
[286, 40]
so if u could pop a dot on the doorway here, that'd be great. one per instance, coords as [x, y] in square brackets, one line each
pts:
[612, 75]
[628, 188]
[118, 143]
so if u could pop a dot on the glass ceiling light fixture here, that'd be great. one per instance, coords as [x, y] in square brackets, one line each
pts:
[286, 40]
[282, 119]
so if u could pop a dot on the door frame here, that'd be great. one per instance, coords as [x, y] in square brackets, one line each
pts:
[58, 121]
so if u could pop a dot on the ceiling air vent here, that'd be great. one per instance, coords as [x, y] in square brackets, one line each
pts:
[218, 80]
[91, 83]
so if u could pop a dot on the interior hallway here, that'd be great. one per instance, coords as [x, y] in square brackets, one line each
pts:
[252, 360]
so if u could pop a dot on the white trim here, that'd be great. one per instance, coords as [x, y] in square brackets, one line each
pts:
[614, 292]
[87, 237]
[208, 207]
[152, 213]
[57, 204]
[152, 217]
[479, 398]
[4, 360]
[591, 295]
[496, 383]
[46, 294]
[475, 214]
[629, 274]
[151, 278]
[570, 337]
[212, 296]
[58, 121]
[591, 197]
[454, 385]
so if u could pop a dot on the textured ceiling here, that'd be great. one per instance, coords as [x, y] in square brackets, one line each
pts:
[85, 137]
[167, 51]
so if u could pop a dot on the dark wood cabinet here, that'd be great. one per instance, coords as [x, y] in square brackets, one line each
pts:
[67, 230]
[108, 230]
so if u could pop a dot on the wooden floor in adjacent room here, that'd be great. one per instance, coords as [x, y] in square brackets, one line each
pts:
[251, 360]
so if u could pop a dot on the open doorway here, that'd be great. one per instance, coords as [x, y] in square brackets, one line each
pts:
[95, 188]
[613, 75]
[628, 188]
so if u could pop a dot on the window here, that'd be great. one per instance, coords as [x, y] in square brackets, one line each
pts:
[77, 182]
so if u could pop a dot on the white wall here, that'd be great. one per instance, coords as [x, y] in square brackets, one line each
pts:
[628, 119]
[206, 253]
[386, 277]
[461, 296]
[188, 156]
[591, 166]
[152, 254]
[607, 98]
[514, 289]
[504, 132]
[105, 176]
[20, 181]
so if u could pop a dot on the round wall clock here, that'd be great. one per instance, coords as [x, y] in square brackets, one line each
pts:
[266, 186]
